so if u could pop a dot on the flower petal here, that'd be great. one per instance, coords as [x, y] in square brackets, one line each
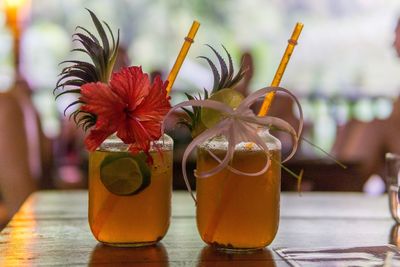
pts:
[133, 132]
[155, 106]
[95, 138]
[100, 100]
[131, 84]
[144, 124]
[130, 106]
[108, 107]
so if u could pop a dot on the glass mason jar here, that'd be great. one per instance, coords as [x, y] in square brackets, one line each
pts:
[236, 211]
[130, 212]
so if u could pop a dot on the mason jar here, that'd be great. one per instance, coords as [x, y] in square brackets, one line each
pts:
[130, 198]
[239, 211]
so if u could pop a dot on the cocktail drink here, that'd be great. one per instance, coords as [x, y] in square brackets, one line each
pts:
[130, 160]
[237, 211]
[234, 210]
[128, 207]
[238, 162]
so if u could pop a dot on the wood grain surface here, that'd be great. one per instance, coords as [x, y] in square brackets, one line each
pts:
[51, 229]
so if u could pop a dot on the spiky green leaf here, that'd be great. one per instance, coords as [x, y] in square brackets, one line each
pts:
[88, 33]
[225, 79]
[215, 73]
[72, 91]
[224, 68]
[71, 105]
[102, 56]
[231, 70]
[102, 33]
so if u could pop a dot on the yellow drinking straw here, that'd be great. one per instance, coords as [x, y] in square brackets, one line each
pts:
[189, 39]
[109, 203]
[229, 185]
[292, 42]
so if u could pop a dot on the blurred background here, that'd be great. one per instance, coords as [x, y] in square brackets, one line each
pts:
[345, 71]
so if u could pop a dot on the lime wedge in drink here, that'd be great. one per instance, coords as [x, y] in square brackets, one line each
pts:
[210, 117]
[125, 174]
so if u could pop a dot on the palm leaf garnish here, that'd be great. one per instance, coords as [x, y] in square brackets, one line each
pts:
[223, 78]
[194, 123]
[102, 54]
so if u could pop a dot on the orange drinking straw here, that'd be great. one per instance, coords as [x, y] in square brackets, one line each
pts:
[292, 42]
[108, 206]
[189, 39]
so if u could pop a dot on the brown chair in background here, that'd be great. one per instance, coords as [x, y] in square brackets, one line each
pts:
[26, 162]
[40, 148]
[16, 182]
[367, 142]
[247, 62]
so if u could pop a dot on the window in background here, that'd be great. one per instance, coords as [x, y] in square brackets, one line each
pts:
[345, 48]
[44, 46]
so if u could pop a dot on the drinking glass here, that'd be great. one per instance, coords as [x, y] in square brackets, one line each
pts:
[234, 211]
[392, 162]
[137, 219]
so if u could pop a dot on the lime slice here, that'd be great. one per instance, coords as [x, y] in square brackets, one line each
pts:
[124, 174]
[210, 117]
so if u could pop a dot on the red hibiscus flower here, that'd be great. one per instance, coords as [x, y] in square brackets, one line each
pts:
[130, 106]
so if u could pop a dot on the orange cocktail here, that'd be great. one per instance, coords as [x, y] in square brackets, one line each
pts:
[138, 219]
[236, 211]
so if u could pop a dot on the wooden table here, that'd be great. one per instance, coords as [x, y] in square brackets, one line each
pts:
[51, 229]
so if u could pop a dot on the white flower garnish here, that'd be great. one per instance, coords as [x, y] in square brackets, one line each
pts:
[238, 125]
